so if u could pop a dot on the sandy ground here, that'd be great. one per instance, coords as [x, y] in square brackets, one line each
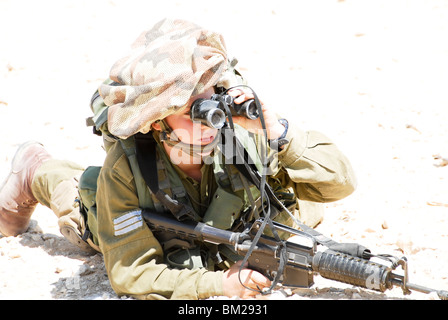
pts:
[372, 75]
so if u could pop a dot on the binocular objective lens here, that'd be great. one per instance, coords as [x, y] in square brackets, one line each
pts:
[208, 113]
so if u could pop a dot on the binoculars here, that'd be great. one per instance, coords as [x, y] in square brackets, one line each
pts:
[211, 112]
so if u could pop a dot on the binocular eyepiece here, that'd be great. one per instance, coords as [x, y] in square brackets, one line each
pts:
[211, 112]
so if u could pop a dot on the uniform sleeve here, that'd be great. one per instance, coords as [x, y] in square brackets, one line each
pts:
[133, 256]
[318, 170]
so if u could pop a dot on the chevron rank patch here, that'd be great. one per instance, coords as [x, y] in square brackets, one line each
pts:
[128, 222]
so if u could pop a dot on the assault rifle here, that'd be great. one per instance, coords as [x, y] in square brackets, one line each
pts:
[295, 262]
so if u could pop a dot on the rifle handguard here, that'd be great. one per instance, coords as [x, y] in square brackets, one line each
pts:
[352, 270]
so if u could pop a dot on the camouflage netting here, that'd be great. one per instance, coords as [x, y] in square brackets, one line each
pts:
[167, 65]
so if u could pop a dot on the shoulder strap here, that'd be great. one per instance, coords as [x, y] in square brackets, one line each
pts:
[128, 146]
[147, 161]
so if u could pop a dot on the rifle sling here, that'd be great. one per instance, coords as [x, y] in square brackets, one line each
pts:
[244, 164]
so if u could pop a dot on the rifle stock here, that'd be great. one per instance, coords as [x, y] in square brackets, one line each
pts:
[301, 256]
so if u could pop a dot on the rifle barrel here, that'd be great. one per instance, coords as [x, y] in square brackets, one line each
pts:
[398, 281]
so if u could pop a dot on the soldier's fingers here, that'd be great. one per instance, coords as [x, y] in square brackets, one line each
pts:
[260, 280]
[241, 95]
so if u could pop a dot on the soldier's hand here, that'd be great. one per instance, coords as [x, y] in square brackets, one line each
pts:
[250, 278]
[273, 128]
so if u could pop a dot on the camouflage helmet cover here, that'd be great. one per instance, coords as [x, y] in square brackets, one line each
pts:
[167, 65]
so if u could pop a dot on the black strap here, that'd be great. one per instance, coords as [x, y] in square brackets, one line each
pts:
[243, 162]
[147, 161]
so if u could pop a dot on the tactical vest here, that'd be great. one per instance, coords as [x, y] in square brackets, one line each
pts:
[235, 198]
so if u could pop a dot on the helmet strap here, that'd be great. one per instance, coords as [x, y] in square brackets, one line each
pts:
[168, 137]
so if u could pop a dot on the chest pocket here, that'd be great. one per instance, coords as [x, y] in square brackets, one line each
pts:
[224, 209]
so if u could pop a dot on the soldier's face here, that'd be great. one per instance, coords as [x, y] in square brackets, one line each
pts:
[188, 131]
